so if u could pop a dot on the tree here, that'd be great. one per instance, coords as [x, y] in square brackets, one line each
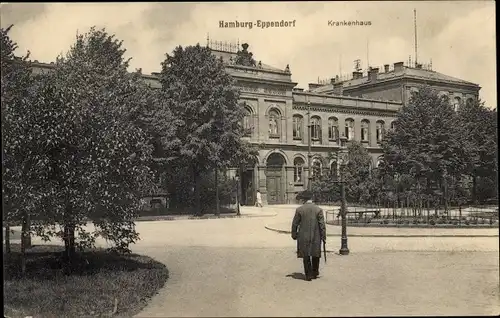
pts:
[426, 143]
[20, 186]
[208, 131]
[89, 153]
[356, 174]
[479, 127]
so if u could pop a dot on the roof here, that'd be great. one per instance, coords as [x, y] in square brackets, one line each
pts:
[406, 72]
[226, 56]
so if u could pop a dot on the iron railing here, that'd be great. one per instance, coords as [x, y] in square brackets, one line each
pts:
[454, 216]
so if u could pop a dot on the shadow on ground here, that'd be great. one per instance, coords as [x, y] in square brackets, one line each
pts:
[296, 275]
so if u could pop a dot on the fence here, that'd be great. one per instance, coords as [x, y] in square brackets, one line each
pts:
[376, 216]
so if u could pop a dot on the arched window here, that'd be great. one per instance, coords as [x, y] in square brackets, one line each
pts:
[393, 125]
[349, 129]
[445, 98]
[456, 103]
[315, 128]
[334, 167]
[365, 130]
[470, 101]
[333, 129]
[298, 164]
[379, 161]
[248, 122]
[316, 168]
[298, 124]
[274, 124]
[380, 131]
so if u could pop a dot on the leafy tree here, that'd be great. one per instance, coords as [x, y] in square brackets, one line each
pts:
[360, 186]
[357, 173]
[21, 185]
[479, 127]
[208, 130]
[89, 153]
[426, 143]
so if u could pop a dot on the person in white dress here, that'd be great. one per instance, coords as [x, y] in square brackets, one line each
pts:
[259, 199]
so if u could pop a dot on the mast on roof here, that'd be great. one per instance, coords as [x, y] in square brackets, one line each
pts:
[415, 24]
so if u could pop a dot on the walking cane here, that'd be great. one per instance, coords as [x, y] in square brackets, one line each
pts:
[324, 250]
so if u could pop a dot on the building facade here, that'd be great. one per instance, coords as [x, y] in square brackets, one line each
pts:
[278, 116]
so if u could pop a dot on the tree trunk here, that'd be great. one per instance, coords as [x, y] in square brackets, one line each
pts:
[445, 188]
[197, 201]
[217, 199]
[25, 241]
[23, 254]
[7, 238]
[474, 190]
[25, 229]
[69, 240]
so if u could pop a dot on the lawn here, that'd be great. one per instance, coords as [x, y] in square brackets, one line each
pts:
[103, 283]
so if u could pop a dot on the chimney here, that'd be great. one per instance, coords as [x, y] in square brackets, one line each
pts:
[372, 74]
[386, 68]
[338, 88]
[332, 81]
[356, 75]
[398, 67]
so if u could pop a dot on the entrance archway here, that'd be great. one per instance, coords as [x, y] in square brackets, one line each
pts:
[275, 178]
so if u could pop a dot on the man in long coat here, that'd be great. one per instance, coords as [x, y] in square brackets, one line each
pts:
[308, 228]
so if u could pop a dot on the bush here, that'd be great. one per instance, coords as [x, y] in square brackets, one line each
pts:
[467, 222]
[432, 222]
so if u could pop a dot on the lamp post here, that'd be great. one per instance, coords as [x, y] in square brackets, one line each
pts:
[344, 250]
[309, 155]
[237, 179]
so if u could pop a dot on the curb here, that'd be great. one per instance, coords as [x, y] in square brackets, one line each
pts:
[211, 217]
[388, 235]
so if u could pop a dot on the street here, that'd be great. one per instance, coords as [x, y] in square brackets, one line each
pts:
[235, 267]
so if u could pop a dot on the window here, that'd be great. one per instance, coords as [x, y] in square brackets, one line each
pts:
[379, 161]
[393, 125]
[298, 164]
[316, 168]
[349, 129]
[380, 131]
[315, 128]
[247, 122]
[333, 128]
[456, 103]
[334, 168]
[298, 124]
[365, 130]
[274, 121]
[470, 101]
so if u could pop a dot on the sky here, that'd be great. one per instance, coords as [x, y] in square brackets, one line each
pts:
[458, 36]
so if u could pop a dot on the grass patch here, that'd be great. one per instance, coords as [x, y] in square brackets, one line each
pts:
[103, 283]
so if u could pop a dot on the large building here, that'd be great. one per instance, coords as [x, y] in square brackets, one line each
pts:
[361, 108]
